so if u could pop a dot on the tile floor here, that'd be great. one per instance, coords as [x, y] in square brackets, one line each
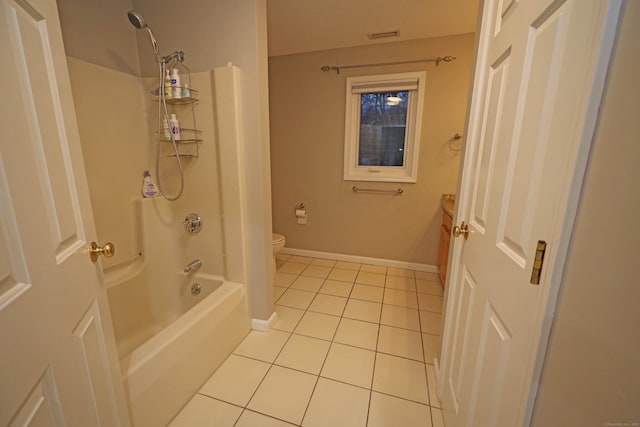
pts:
[353, 346]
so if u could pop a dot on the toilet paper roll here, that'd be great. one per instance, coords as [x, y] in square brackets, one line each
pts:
[301, 213]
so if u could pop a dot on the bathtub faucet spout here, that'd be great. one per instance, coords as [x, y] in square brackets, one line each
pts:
[193, 265]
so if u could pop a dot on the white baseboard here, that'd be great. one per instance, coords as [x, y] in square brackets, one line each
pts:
[264, 325]
[362, 260]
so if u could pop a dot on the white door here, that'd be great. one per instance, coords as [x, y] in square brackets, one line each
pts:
[539, 74]
[58, 363]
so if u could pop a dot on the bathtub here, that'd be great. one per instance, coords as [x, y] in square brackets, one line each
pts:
[171, 341]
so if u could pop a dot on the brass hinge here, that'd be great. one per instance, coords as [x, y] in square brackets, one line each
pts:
[537, 262]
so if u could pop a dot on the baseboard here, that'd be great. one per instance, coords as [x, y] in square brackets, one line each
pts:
[362, 260]
[264, 325]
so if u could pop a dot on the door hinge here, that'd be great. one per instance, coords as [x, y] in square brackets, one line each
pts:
[537, 262]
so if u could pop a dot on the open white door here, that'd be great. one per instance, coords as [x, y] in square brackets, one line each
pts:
[59, 363]
[538, 82]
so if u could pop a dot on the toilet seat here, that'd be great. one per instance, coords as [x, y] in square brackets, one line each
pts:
[276, 238]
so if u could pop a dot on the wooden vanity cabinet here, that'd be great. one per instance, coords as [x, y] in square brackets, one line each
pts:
[443, 249]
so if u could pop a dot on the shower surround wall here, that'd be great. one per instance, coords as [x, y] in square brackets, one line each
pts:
[307, 146]
[213, 34]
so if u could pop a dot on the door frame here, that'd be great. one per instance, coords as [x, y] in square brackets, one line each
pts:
[552, 281]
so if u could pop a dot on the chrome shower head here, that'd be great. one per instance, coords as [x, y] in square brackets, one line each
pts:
[138, 21]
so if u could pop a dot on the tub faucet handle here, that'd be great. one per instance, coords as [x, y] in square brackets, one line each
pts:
[193, 265]
[192, 223]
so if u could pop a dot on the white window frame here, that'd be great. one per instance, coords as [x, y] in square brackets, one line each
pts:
[414, 82]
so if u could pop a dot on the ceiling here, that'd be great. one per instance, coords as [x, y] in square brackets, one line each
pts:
[296, 26]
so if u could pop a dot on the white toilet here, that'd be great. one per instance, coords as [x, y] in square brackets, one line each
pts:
[277, 242]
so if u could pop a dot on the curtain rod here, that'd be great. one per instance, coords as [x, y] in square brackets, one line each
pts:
[437, 60]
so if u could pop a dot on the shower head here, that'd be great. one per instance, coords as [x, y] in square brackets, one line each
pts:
[138, 21]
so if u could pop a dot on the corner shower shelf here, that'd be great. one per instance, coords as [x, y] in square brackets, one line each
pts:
[191, 136]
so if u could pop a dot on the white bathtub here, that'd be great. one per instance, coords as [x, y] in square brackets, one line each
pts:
[180, 351]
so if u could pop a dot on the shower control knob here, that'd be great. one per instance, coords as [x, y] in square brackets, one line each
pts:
[95, 251]
[192, 223]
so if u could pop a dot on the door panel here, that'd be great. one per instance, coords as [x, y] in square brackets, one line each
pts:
[534, 82]
[61, 366]
[42, 406]
[30, 42]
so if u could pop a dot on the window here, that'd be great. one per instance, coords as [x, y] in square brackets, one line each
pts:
[382, 127]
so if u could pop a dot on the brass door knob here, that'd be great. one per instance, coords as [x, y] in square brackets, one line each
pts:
[463, 231]
[95, 251]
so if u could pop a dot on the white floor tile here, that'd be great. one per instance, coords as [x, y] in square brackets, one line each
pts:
[316, 271]
[433, 387]
[334, 287]
[300, 259]
[296, 299]
[430, 303]
[349, 364]
[379, 269]
[288, 318]
[429, 287]
[304, 354]
[392, 271]
[278, 291]
[282, 257]
[423, 275]
[367, 292]
[337, 404]
[370, 278]
[430, 322]
[431, 345]
[401, 377]
[253, 419]
[438, 420]
[284, 279]
[343, 275]
[318, 325]
[400, 342]
[204, 411]
[306, 283]
[400, 298]
[357, 333]
[348, 265]
[389, 411]
[323, 262]
[292, 268]
[362, 310]
[236, 380]
[262, 345]
[402, 283]
[284, 393]
[400, 317]
[328, 304]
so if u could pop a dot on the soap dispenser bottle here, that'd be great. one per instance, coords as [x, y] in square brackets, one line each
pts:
[148, 186]
[175, 84]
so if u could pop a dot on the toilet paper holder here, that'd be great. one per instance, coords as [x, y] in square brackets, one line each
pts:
[300, 206]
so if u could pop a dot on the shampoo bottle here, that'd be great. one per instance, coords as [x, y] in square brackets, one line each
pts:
[175, 127]
[175, 84]
[148, 187]
[167, 85]
[166, 133]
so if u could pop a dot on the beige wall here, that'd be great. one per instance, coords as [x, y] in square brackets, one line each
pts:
[591, 374]
[99, 32]
[307, 143]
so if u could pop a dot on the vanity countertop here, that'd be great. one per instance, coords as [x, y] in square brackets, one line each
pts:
[448, 203]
